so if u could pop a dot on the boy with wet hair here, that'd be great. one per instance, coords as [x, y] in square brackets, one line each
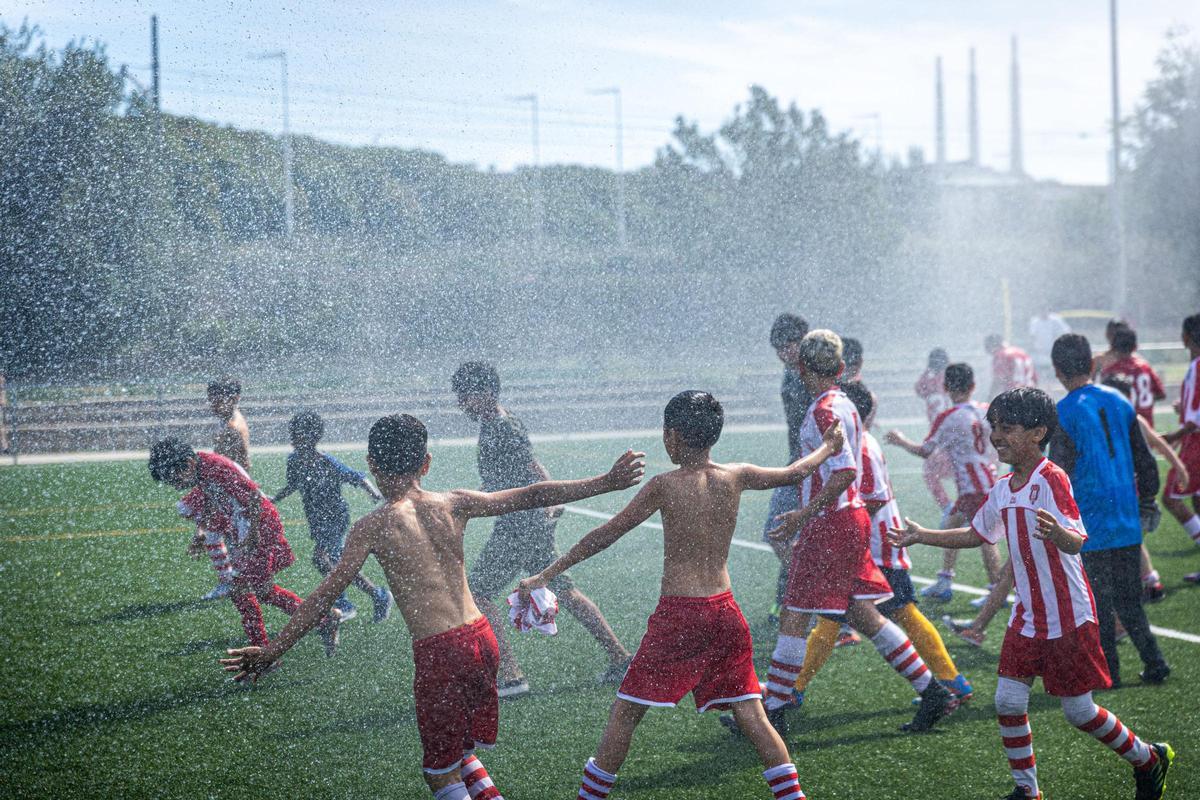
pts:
[417, 537]
[1052, 633]
[1146, 385]
[231, 439]
[832, 573]
[961, 432]
[1187, 438]
[319, 478]
[522, 542]
[246, 516]
[697, 639]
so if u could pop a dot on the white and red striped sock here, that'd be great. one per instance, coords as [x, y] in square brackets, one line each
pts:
[1102, 724]
[479, 783]
[784, 782]
[898, 651]
[218, 554]
[786, 662]
[1018, 746]
[596, 782]
[1192, 526]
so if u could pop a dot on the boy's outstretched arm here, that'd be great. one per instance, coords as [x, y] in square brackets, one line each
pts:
[791, 522]
[644, 504]
[626, 472]
[282, 493]
[251, 662]
[1050, 529]
[903, 442]
[756, 477]
[952, 539]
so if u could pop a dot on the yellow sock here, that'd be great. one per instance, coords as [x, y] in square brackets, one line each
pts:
[928, 642]
[820, 646]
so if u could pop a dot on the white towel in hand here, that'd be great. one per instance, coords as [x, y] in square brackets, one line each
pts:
[536, 614]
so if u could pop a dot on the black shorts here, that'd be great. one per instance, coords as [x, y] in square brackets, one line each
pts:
[521, 545]
[902, 591]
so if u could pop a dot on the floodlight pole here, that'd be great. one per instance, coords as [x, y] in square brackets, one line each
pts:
[622, 235]
[289, 222]
[532, 99]
[1116, 200]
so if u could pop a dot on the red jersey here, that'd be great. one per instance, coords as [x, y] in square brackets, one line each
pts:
[875, 484]
[830, 406]
[1012, 368]
[931, 388]
[229, 490]
[1147, 386]
[1189, 396]
[1054, 597]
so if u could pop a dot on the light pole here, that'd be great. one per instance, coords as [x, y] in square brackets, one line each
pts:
[1118, 222]
[615, 91]
[289, 223]
[532, 99]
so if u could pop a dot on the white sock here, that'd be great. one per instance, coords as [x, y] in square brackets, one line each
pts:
[455, 791]
[1192, 526]
[786, 662]
[898, 651]
[1152, 577]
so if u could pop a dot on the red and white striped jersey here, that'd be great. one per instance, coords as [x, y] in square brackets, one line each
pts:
[931, 388]
[874, 483]
[1053, 594]
[1189, 395]
[830, 406]
[228, 488]
[1147, 386]
[964, 433]
[1012, 367]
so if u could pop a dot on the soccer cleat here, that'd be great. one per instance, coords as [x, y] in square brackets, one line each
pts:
[961, 688]
[1019, 793]
[510, 690]
[1152, 782]
[773, 614]
[328, 628]
[615, 672]
[383, 601]
[348, 612]
[939, 592]
[847, 638]
[936, 702]
[1192, 577]
[219, 591]
[1155, 674]
[1153, 592]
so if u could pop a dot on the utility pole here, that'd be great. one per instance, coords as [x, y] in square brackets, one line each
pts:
[939, 121]
[1118, 218]
[289, 221]
[1016, 147]
[154, 69]
[973, 114]
[619, 177]
[538, 210]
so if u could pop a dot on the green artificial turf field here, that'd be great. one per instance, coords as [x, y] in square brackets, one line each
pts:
[110, 683]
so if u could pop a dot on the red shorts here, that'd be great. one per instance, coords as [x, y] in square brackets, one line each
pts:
[455, 691]
[273, 554]
[1069, 666]
[968, 504]
[700, 645]
[831, 564]
[1189, 454]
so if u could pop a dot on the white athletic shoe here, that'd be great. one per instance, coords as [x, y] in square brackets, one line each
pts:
[219, 591]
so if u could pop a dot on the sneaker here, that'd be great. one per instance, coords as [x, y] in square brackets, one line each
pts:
[1155, 674]
[329, 630]
[383, 604]
[847, 639]
[219, 591]
[773, 614]
[964, 630]
[961, 688]
[936, 702]
[1019, 793]
[615, 672]
[939, 592]
[1153, 592]
[517, 687]
[1192, 577]
[348, 611]
[1152, 782]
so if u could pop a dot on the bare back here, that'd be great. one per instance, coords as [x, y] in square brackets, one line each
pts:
[699, 507]
[232, 440]
[419, 543]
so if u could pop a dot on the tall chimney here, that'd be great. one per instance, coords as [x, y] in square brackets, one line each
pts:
[939, 114]
[973, 115]
[1016, 148]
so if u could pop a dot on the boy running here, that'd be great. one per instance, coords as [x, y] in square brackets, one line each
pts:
[1011, 366]
[931, 388]
[231, 438]
[522, 542]
[961, 432]
[1187, 437]
[234, 507]
[319, 478]
[417, 537]
[697, 639]
[1052, 633]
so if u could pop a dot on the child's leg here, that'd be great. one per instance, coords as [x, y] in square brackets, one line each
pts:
[780, 772]
[589, 616]
[600, 772]
[509, 670]
[448, 786]
[283, 599]
[788, 658]
[1082, 712]
[891, 643]
[1189, 518]
[927, 641]
[218, 554]
[1146, 568]
[820, 642]
[475, 777]
[252, 620]
[933, 470]
[1012, 711]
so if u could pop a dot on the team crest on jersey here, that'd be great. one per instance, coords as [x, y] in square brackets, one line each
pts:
[1033, 493]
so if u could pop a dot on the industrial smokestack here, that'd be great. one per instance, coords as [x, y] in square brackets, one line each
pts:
[973, 115]
[1016, 147]
[939, 114]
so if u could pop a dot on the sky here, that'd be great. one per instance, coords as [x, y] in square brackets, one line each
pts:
[443, 75]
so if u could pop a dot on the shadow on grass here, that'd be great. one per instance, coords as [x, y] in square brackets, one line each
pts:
[396, 718]
[214, 647]
[141, 611]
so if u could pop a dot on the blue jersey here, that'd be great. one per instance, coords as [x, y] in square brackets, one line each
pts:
[319, 480]
[1095, 444]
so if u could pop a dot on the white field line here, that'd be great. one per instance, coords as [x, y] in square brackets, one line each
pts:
[1167, 633]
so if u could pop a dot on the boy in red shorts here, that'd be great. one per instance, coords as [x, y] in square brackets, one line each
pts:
[234, 507]
[417, 537]
[697, 639]
[1052, 633]
[832, 573]
[1187, 437]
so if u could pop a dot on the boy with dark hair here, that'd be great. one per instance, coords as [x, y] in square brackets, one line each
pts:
[961, 432]
[852, 357]
[1011, 366]
[832, 573]
[786, 334]
[1187, 437]
[931, 388]
[521, 542]
[247, 517]
[893, 562]
[1052, 632]
[1108, 356]
[1099, 444]
[697, 639]
[319, 478]
[231, 438]
[1147, 387]
[417, 537]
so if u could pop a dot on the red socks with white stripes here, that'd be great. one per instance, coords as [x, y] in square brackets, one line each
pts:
[784, 783]
[786, 662]
[898, 651]
[478, 782]
[596, 782]
[218, 554]
[1102, 724]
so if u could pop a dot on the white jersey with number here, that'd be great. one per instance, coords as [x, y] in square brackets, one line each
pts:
[964, 433]
[832, 405]
[876, 485]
